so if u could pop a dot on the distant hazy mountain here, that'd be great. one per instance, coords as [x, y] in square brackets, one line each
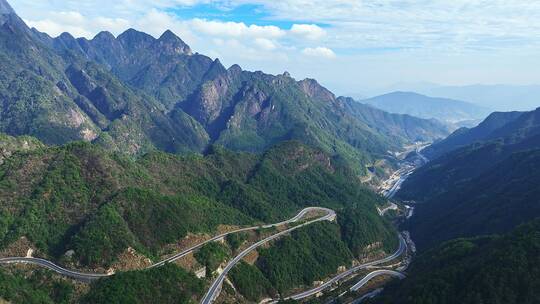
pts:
[442, 109]
[406, 127]
[497, 97]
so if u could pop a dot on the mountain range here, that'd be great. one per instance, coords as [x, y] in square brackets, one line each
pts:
[135, 93]
[499, 97]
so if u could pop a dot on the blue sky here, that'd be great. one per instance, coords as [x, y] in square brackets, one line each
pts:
[351, 46]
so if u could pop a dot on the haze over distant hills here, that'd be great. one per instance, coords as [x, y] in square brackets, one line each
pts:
[498, 97]
[442, 109]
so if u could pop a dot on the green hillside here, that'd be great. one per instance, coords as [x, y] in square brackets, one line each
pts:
[495, 269]
[80, 197]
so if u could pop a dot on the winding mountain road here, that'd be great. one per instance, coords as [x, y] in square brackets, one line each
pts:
[311, 292]
[374, 274]
[88, 277]
[215, 288]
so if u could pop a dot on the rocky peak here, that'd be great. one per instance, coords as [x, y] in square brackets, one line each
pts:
[104, 37]
[65, 36]
[235, 69]
[216, 70]
[172, 44]
[5, 8]
[133, 39]
[67, 41]
[9, 19]
[314, 90]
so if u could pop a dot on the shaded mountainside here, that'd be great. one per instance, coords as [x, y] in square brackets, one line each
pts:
[483, 147]
[493, 202]
[80, 197]
[485, 187]
[464, 137]
[496, 269]
[442, 109]
[135, 93]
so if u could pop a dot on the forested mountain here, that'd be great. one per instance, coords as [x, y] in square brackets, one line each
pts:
[135, 93]
[486, 187]
[71, 197]
[443, 109]
[494, 269]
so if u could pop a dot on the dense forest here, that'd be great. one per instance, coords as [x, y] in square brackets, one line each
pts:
[492, 269]
[167, 284]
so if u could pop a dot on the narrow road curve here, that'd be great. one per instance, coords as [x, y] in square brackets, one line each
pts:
[374, 274]
[215, 288]
[401, 249]
[88, 277]
[85, 277]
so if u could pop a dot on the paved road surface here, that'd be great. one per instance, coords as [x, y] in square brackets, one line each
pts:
[374, 274]
[85, 277]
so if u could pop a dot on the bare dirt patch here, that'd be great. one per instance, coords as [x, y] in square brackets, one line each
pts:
[19, 248]
[130, 259]
[252, 257]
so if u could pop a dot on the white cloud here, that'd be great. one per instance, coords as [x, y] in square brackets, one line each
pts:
[265, 44]
[235, 29]
[319, 52]
[309, 31]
